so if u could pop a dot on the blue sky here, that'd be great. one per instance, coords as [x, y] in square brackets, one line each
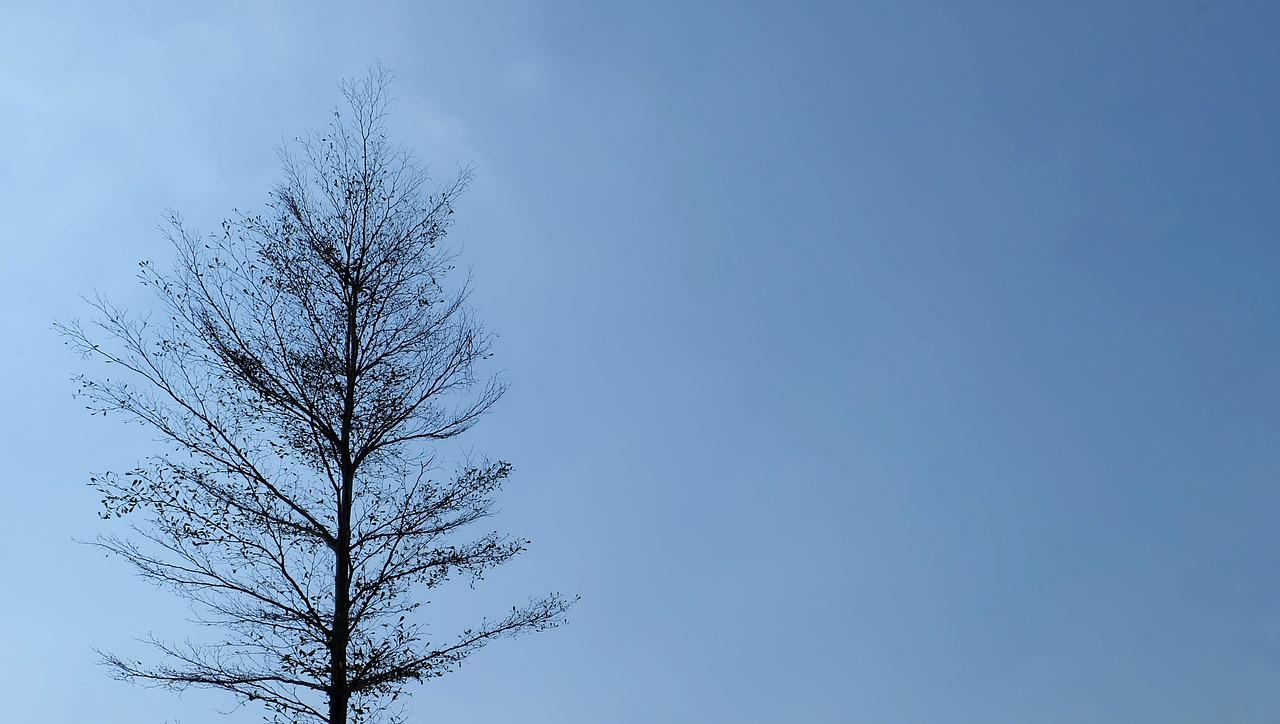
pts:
[884, 361]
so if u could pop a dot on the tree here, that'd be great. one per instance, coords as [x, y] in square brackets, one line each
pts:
[308, 360]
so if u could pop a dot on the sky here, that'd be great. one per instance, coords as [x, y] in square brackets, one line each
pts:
[871, 361]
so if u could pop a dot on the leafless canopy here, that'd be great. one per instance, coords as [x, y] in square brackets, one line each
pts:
[305, 361]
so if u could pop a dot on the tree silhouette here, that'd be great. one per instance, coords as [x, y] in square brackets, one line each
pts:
[306, 360]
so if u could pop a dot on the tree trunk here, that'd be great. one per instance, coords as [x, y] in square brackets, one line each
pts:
[339, 691]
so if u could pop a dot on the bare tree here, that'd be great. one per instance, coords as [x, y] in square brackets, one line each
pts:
[306, 360]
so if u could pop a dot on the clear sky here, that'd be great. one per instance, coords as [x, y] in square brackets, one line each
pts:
[872, 361]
